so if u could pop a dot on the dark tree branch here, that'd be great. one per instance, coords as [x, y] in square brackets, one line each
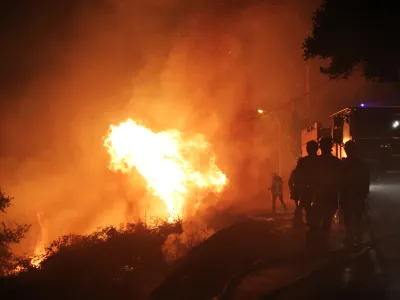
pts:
[9, 236]
[356, 33]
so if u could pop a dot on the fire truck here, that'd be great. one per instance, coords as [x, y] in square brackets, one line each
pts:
[376, 130]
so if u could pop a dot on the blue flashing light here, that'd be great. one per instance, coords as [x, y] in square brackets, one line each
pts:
[362, 104]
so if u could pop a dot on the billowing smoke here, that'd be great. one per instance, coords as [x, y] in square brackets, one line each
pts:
[72, 69]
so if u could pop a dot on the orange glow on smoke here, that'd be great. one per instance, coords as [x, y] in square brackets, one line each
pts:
[175, 168]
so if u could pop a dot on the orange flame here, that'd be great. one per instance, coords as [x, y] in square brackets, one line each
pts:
[174, 168]
[40, 250]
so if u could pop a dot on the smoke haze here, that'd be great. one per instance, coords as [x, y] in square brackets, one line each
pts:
[72, 68]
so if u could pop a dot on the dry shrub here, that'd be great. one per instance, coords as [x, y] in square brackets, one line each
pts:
[177, 245]
[124, 261]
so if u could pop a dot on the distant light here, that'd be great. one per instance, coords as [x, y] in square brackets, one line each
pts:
[362, 104]
[260, 111]
[395, 124]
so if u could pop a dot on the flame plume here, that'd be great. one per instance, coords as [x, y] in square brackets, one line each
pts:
[40, 250]
[173, 167]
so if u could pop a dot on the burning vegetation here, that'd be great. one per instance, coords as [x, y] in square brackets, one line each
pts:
[179, 170]
[175, 169]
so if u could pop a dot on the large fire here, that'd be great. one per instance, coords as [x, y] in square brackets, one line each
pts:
[174, 168]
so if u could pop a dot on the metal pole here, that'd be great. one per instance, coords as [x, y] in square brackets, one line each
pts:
[279, 144]
[280, 148]
[308, 88]
[261, 112]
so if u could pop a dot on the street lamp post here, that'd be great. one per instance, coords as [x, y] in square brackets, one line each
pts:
[261, 112]
[279, 144]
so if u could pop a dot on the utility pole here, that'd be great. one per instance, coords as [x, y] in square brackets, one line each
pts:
[279, 143]
[261, 112]
[280, 148]
[308, 88]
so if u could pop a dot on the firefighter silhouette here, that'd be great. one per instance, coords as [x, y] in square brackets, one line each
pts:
[294, 195]
[304, 175]
[277, 192]
[326, 184]
[292, 188]
[354, 192]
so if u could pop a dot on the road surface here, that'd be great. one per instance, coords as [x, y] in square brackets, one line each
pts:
[385, 200]
[385, 208]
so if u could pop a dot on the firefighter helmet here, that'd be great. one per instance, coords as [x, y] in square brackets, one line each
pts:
[326, 143]
[312, 146]
[350, 146]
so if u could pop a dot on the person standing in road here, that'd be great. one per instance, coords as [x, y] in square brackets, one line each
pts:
[354, 192]
[305, 174]
[326, 194]
[277, 192]
[297, 217]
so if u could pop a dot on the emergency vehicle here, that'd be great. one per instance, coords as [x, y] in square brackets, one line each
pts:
[376, 130]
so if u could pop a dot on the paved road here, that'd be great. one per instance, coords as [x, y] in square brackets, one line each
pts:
[385, 206]
[385, 200]
[261, 281]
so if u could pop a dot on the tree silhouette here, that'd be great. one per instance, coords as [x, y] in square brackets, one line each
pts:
[9, 236]
[354, 34]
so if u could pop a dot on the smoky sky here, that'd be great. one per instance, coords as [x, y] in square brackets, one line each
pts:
[28, 29]
[35, 33]
[108, 42]
[67, 65]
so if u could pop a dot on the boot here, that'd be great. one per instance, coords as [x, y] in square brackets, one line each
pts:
[358, 241]
[348, 243]
[324, 244]
[312, 241]
[298, 219]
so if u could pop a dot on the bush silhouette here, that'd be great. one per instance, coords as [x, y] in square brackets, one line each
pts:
[9, 236]
[109, 263]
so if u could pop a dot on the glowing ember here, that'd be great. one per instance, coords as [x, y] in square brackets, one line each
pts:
[174, 168]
